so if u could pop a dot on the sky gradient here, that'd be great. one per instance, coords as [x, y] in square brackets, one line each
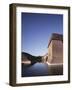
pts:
[37, 30]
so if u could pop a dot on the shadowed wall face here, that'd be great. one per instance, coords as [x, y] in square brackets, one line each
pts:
[50, 53]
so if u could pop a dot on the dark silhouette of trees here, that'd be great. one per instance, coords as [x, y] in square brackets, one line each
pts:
[33, 59]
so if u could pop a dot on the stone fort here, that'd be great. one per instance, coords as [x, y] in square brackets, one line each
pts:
[55, 50]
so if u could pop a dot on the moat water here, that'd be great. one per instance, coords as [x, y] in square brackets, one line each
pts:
[41, 69]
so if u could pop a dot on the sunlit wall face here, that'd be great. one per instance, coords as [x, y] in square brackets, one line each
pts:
[36, 31]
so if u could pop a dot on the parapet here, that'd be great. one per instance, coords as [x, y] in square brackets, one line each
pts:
[56, 36]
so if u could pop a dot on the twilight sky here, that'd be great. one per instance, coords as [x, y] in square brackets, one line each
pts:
[37, 30]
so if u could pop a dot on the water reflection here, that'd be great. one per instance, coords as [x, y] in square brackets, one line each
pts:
[41, 69]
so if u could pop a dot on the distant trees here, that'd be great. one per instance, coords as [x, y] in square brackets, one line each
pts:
[33, 59]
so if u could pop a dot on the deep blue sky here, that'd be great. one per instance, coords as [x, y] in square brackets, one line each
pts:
[37, 30]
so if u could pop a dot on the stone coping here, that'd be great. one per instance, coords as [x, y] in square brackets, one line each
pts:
[56, 36]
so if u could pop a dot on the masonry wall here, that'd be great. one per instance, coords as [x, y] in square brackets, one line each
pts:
[45, 58]
[55, 52]
[50, 53]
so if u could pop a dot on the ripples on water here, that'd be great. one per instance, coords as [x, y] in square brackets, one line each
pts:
[41, 69]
